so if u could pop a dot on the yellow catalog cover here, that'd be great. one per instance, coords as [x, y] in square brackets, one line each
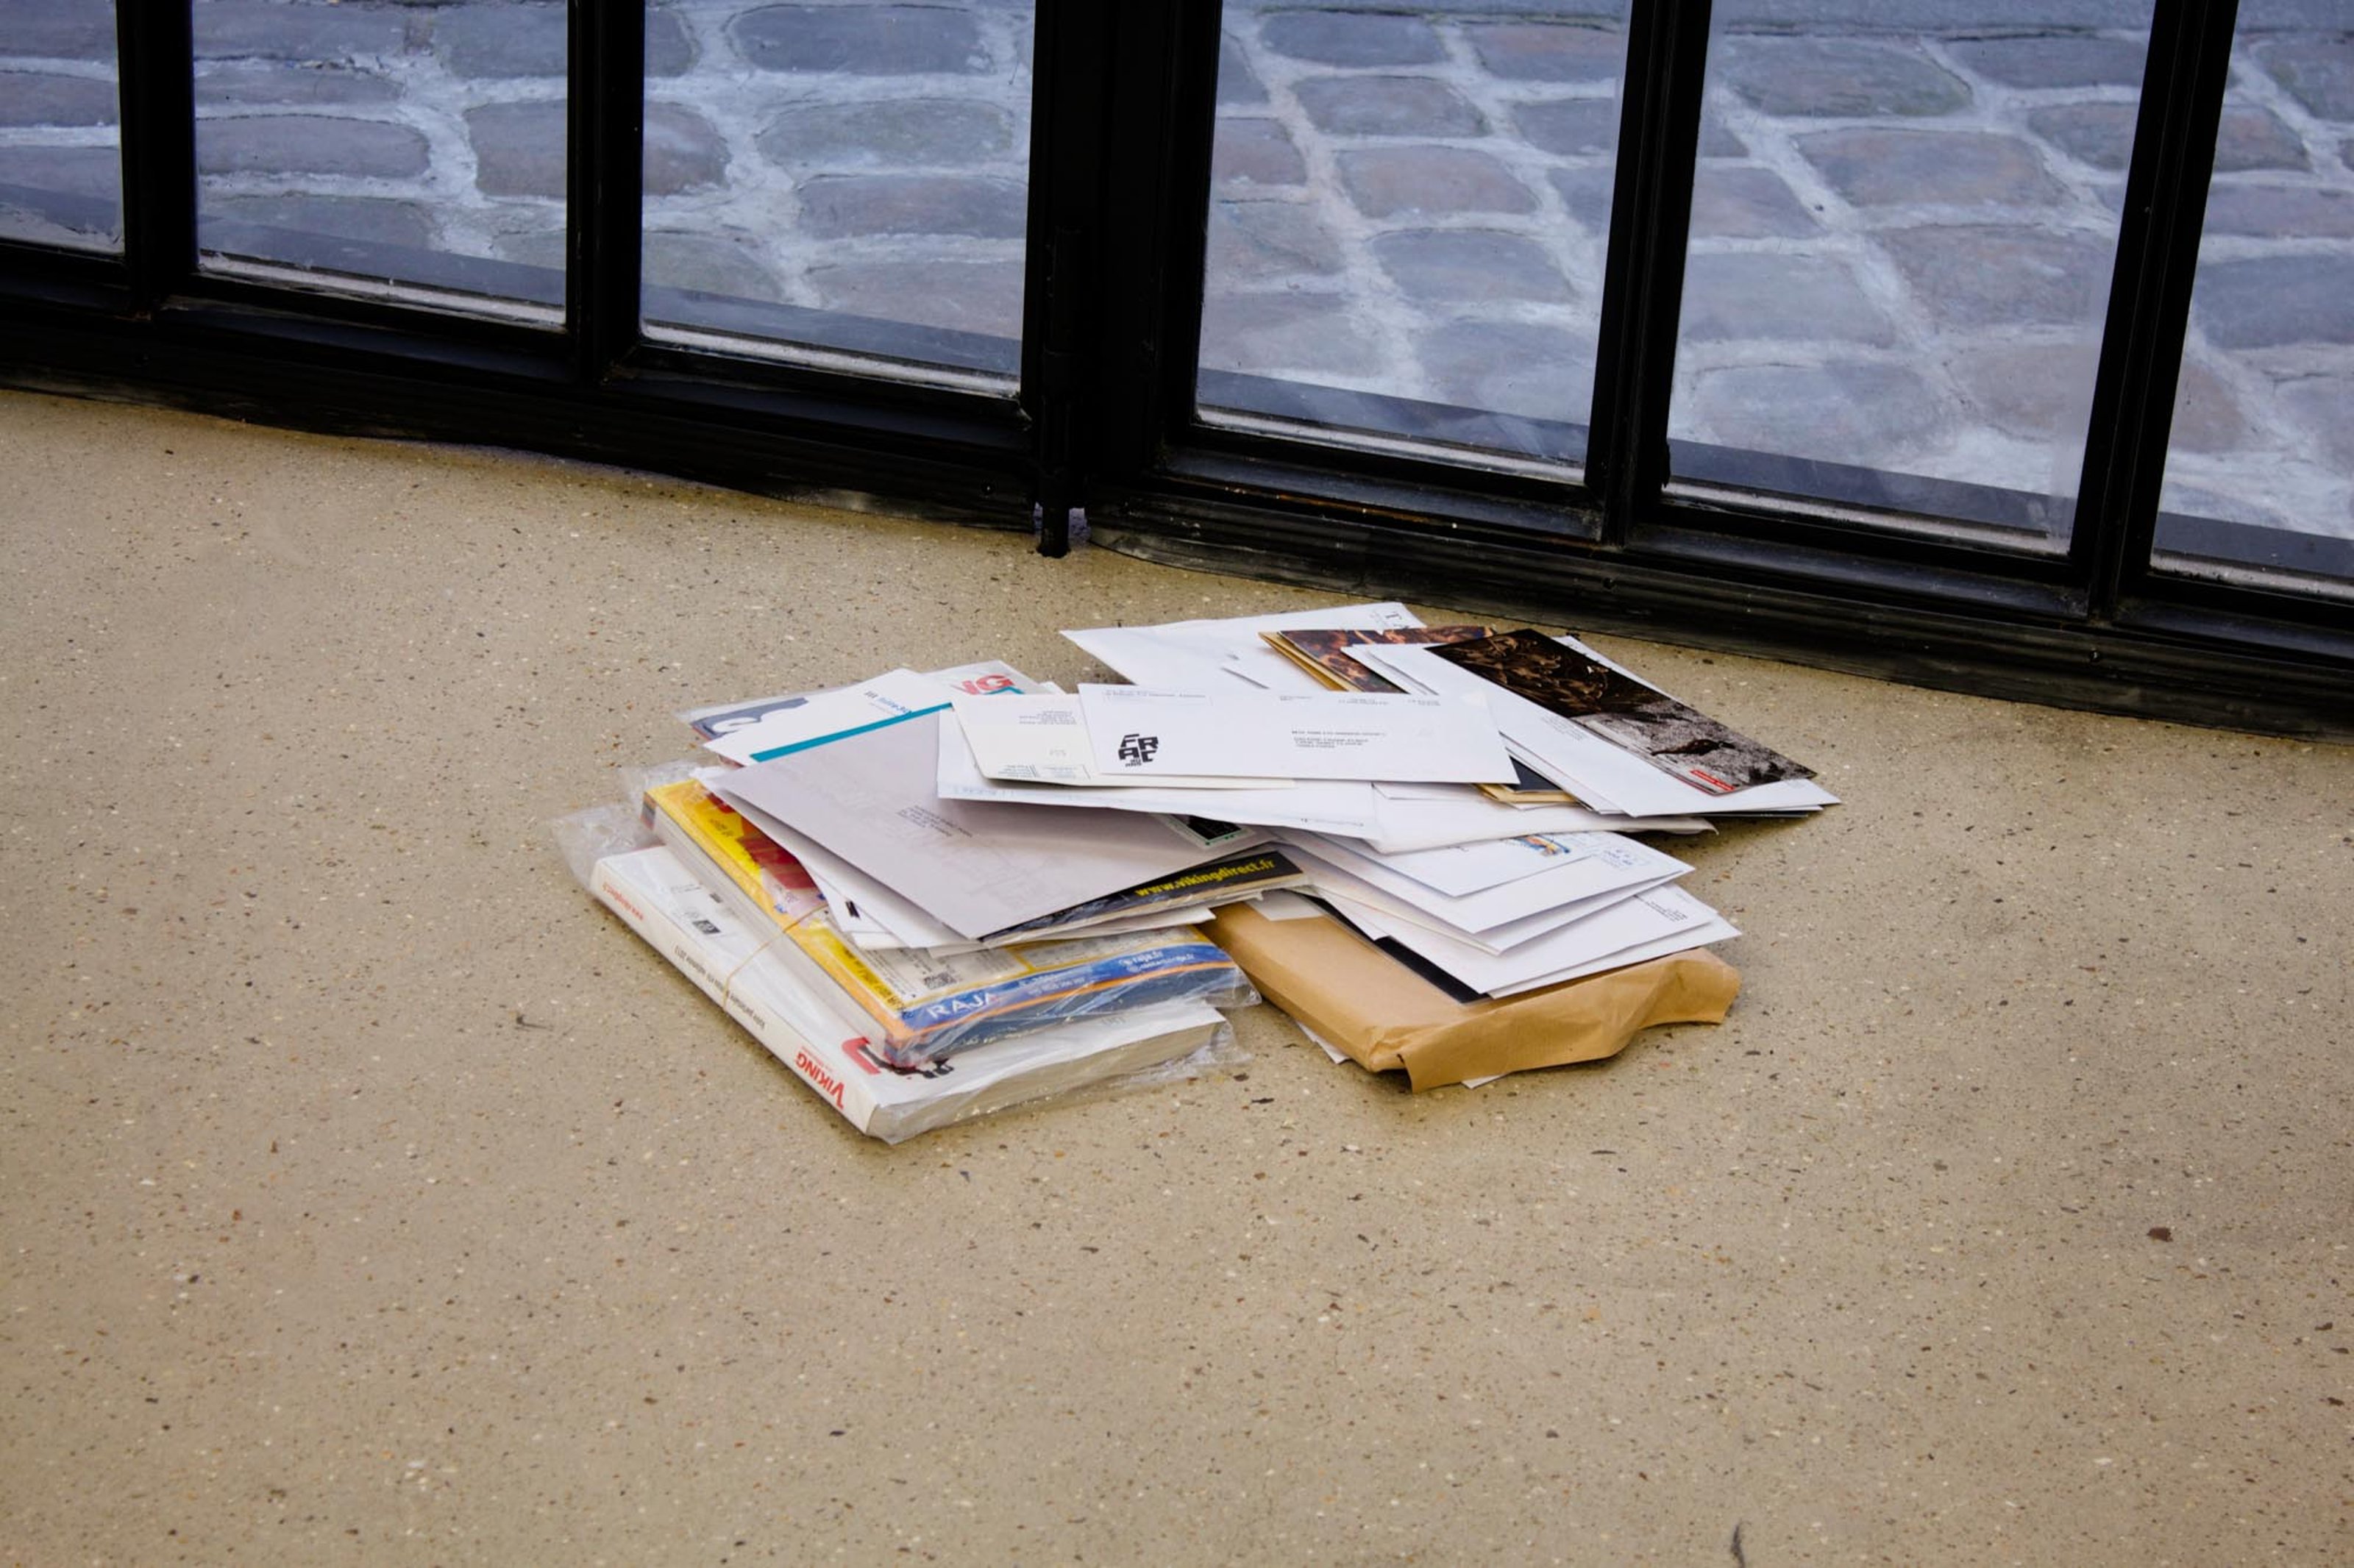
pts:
[763, 869]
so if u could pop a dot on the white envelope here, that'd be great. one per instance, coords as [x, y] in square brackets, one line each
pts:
[1042, 738]
[889, 699]
[1321, 806]
[1714, 928]
[1647, 926]
[974, 680]
[1404, 825]
[1143, 732]
[1460, 870]
[1605, 864]
[1329, 880]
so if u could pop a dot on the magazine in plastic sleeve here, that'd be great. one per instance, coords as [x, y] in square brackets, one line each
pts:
[770, 989]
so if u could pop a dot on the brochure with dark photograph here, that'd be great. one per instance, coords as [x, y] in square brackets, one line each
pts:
[1677, 740]
[1325, 654]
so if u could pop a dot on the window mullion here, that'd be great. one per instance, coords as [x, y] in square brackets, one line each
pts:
[604, 182]
[155, 51]
[2132, 417]
[1642, 288]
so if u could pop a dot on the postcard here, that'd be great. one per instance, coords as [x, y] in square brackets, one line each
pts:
[1320, 735]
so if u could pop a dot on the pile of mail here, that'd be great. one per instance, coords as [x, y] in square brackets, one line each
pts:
[937, 895]
[918, 961]
[1461, 796]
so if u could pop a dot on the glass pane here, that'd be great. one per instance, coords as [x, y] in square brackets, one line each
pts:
[1407, 220]
[1914, 318]
[852, 178]
[61, 136]
[2261, 467]
[371, 142]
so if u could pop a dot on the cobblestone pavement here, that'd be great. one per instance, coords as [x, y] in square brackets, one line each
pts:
[1901, 249]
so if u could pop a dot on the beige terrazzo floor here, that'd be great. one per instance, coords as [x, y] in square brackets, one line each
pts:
[369, 1196]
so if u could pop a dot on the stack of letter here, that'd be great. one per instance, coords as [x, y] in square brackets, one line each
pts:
[917, 959]
[1461, 796]
[937, 867]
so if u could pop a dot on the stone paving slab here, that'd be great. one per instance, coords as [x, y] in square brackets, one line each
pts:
[34, 98]
[1903, 219]
[60, 30]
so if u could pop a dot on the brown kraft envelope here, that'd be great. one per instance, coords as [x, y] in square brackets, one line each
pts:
[1387, 1017]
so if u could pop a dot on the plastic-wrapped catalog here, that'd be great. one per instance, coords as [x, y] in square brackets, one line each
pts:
[771, 988]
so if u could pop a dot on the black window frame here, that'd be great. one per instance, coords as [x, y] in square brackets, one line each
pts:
[1102, 420]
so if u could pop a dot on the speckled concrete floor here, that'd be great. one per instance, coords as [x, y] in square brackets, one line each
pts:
[372, 1197]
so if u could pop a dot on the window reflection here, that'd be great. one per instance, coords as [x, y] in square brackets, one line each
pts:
[2260, 471]
[851, 178]
[60, 132]
[1900, 264]
[369, 143]
[1407, 223]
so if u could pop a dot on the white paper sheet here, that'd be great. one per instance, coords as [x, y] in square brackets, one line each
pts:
[1321, 1043]
[1319, 806]
[977, 867]
[1142, 732]
[1043, 739]
[1191, 655]
[850, 916]
[1398, 789]
[1594, 770]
